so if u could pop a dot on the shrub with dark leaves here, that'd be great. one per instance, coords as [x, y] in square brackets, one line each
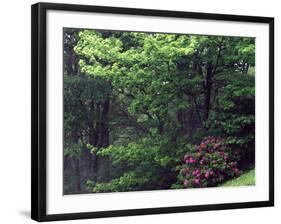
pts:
[209, 164]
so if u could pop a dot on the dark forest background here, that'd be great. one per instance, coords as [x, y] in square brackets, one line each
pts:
[146, 111]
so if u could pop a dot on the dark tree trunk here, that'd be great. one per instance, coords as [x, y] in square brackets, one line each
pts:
[99, 138]
[75, 140]
[77, 170]
[104, 123]
[245, 68]
[93, 139]
[208, 85]
[65, 163]
[102, 163]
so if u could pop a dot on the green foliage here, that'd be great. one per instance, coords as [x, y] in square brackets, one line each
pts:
[234, 114]
[138, 102]
[79, 100]
[151, 61]
[145, 160]
[72, 150]
[127, 182]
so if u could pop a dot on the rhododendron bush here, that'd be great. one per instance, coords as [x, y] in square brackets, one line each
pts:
[208, 164]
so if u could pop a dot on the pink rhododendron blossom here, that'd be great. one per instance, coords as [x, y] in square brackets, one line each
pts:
[203, 145]
[185, 183]
[197, 181]
[190, 160]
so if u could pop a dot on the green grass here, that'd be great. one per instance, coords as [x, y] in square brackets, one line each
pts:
[246, 179]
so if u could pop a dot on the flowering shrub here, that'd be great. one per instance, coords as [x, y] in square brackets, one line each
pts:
[208, 164]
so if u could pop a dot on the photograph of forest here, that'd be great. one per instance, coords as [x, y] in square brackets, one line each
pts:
[154, 111]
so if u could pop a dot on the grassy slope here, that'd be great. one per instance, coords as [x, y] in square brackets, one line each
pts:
[247, 178]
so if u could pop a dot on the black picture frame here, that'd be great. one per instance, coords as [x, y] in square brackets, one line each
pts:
[38, 108]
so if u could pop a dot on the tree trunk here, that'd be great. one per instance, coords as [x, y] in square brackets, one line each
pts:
[75, 140]
[102, 162]
[93, 139]
[99, 138]
[104, 125]
[77, 171]
[208, 90]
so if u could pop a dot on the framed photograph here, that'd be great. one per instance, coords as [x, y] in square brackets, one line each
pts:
[140, 111]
